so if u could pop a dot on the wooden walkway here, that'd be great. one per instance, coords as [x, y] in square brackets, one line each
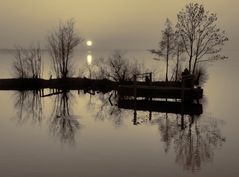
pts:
[160, 92]
[161, 106]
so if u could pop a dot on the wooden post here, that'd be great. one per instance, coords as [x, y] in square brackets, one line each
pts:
[135, 99]
[150, 78]
[183, 89]
[182, 121]
[135, 89]
[182, 102]
[135, 117]
[42, 92]
[150, 99]
[150, 115]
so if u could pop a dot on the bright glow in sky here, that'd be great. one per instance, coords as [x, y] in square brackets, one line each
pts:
[89, 43]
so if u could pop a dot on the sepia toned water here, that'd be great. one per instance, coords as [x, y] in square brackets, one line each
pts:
[79, 134]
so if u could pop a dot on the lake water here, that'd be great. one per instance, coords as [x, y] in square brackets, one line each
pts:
[97, 139]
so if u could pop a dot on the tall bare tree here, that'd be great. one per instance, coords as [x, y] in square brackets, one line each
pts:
[200, 35]
[28, 62]
[62, 42]
[166, 45]
[178, 51]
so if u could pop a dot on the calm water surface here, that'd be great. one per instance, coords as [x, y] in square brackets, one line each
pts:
[79, 134]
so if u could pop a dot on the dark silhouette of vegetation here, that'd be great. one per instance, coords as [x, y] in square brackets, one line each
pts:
[178, 51]
[196, 35]
[28, 62]
[118, 68]
[166, 45]
[61, 43]
[202, 39]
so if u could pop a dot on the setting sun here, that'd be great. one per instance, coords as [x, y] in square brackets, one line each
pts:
[89, 43]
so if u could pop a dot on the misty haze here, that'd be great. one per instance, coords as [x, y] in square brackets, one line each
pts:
[119, 88]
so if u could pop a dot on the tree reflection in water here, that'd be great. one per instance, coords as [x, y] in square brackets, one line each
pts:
[62, 123]
[192, 138]
[168, 129]
[194, 142]
[107, 108]
[29, 106]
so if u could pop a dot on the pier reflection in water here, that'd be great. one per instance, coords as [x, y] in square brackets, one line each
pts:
[192, 137]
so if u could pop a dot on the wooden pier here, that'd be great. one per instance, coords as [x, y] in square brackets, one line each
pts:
[161, 106]
[146, 89]
[160, 92]
[183, 90]
[102, 85]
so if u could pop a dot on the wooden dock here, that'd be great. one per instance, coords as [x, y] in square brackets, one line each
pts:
[170, 90]
[160, 92]
[103, 85]
[162, 106]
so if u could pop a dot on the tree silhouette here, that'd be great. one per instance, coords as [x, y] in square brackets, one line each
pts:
[178, 51]
[62, 42]
[28, 62]
[118, 67]
[166, 45]
[200, 35]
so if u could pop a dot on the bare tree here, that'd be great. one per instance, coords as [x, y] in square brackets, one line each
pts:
[62, 42]
[200, 35]
[28, 62]
[19, 64]
[178, 51]
[118, 67]
[166, 45]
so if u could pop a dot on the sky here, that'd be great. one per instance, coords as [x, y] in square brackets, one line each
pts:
[110, 24]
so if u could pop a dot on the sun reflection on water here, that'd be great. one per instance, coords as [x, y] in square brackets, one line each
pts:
[89, 59]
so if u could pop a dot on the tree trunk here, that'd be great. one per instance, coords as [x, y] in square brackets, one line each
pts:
[167, 55]
[176, 76]
[167, 70]
[194, 66]
[191, 56]
[189, 65]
